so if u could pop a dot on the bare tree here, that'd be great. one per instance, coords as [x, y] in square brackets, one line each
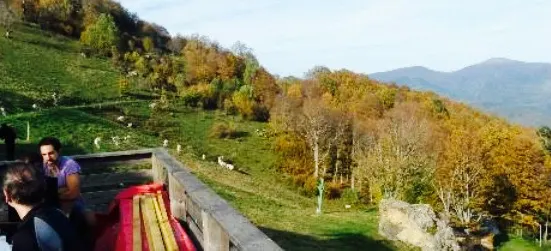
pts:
[397, 154]
[7, 18]
[459, 176]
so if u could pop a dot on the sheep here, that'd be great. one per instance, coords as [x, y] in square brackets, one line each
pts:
[3, 111]
[132, 73]
[97, 140]
[116, 140]
[35, 106]
[178, 148]
[120, 118]
[224, 164]
[54, 96]
[347, 206]
[129, 125]
[204, 157]
[221, 162]
[152, 105]
[165, 143]
[230, 166]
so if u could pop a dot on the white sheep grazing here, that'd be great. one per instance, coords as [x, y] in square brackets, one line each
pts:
[96, 142]
[178, 148]
[347, 206]
[229, 166]
[54, 96]
[165, 143]
[204, 157]
[129, 125]
[221, 162]
[120, 118]
[116, 140]
[152, 105]
[3, 111]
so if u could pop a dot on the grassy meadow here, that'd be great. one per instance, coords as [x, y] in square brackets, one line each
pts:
[34, 64]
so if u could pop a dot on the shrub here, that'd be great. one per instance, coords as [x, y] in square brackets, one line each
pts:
[350, 197]
[224, 130]
[102, 35]
[332, 190]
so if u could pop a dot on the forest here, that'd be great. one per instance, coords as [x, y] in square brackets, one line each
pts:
[360, 136]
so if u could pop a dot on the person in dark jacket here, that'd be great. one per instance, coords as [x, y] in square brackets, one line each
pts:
[42, 227]
[7, 133]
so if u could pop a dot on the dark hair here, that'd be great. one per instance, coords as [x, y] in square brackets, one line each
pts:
[34, 159]
[50, 141]
[24, 184]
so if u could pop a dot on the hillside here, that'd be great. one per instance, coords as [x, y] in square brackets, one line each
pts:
[264, 188]
[35, 64]
[512, 89]
[257, 190]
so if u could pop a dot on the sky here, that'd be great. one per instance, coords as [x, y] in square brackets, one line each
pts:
[365, 36]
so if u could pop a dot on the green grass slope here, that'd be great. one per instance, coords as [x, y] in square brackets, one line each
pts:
[34, 64]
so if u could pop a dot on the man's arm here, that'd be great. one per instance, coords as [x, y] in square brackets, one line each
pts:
[72, 191]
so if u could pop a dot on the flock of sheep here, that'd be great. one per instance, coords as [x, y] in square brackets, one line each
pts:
[116, 140]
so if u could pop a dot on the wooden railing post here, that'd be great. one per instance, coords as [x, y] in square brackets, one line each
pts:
[213, 223]
[177, 195]
[215, 238]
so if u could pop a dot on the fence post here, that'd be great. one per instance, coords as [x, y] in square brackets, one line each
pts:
[214, 237]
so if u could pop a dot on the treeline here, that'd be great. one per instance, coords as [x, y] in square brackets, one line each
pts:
[385, 141]
[193, 69]
[377, 140]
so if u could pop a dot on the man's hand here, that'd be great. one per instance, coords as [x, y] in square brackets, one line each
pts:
[53, 170]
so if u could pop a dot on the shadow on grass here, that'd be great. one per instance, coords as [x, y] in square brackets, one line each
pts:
[340, 241]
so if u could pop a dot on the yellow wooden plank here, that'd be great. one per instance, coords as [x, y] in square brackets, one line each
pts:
[147, 228]
[156, 236]
[136, 225]
[166, 229]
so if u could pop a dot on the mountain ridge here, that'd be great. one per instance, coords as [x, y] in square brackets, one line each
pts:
[508, 88]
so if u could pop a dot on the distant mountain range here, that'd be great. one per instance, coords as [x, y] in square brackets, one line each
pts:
[516, 90]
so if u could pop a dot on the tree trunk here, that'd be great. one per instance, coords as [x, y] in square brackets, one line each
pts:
[540, 234]
[28, 131]
[316, 159]
[352, 182]
[370, 192]
[545, 235]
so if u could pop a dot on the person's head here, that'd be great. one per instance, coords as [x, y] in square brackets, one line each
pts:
[49, 149]
[33, 159]
[23, 185]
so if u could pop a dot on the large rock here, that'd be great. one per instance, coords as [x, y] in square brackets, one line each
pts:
[416, 225]
[401, 221]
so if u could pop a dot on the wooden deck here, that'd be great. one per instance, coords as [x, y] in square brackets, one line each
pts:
[210, 220]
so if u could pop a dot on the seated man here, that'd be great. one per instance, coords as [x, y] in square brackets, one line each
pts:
[67, 172]
[42, 227]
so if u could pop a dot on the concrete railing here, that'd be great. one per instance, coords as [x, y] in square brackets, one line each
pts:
[212, 222]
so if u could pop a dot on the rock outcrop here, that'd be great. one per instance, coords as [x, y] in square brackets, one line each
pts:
[416, 225]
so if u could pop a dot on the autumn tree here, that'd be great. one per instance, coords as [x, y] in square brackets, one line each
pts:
[7, 17]
[102, 35]
[459, 176]
[401, 154]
